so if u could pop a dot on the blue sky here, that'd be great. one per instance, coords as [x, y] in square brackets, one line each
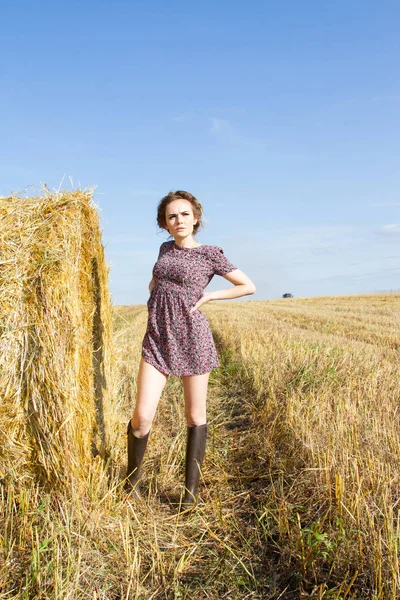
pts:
[281, 117]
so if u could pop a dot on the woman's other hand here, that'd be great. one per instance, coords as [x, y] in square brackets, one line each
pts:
[206, 297]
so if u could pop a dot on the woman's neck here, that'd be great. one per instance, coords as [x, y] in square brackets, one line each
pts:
[187, 242]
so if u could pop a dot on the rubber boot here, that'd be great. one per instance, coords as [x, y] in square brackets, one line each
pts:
[136, 450]
[195, 450]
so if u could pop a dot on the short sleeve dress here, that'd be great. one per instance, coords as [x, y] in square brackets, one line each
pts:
[176, 341]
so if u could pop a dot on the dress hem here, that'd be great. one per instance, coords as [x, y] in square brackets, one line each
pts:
[155, 365]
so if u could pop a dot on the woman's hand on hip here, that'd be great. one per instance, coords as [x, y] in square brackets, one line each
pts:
[206, 297]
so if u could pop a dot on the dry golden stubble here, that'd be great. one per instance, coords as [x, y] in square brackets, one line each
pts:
[327, 404]
[300, 480]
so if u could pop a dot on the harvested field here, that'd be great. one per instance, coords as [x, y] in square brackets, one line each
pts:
[301, 482]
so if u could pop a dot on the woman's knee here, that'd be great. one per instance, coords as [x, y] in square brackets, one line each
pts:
[194, 419]
[141, 424]
[195, 413]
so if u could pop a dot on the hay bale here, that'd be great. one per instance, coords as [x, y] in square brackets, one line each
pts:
[55, 336]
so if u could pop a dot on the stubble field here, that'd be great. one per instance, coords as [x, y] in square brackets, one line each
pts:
[301, 481]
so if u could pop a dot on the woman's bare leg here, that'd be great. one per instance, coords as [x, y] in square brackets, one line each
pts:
[149, 388]
[195, 392]
[150, 385]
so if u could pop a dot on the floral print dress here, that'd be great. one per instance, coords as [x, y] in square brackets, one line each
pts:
[178, 342]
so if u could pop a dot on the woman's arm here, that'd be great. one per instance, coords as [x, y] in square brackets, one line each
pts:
[242, 286]
[151, 285]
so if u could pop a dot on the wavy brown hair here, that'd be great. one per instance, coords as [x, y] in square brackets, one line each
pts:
[179, 195]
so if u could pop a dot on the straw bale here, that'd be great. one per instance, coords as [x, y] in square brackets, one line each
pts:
[55, 336]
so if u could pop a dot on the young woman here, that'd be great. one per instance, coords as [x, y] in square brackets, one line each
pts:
[178, 340]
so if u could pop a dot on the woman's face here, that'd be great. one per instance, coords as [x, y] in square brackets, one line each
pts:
[179, 218]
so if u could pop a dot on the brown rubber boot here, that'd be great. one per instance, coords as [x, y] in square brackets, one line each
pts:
[195, 450]
[136, 450]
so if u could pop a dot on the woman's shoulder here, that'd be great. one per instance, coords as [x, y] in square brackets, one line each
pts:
[211, 249]
[166, 245]
[164, 248]
[213, 254]
[220, 263]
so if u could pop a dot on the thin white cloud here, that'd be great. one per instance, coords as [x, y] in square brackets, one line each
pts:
[361, 275]
[363, 100]
[390, 229]
[182, 118]
[224, 131]
[221, 127]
